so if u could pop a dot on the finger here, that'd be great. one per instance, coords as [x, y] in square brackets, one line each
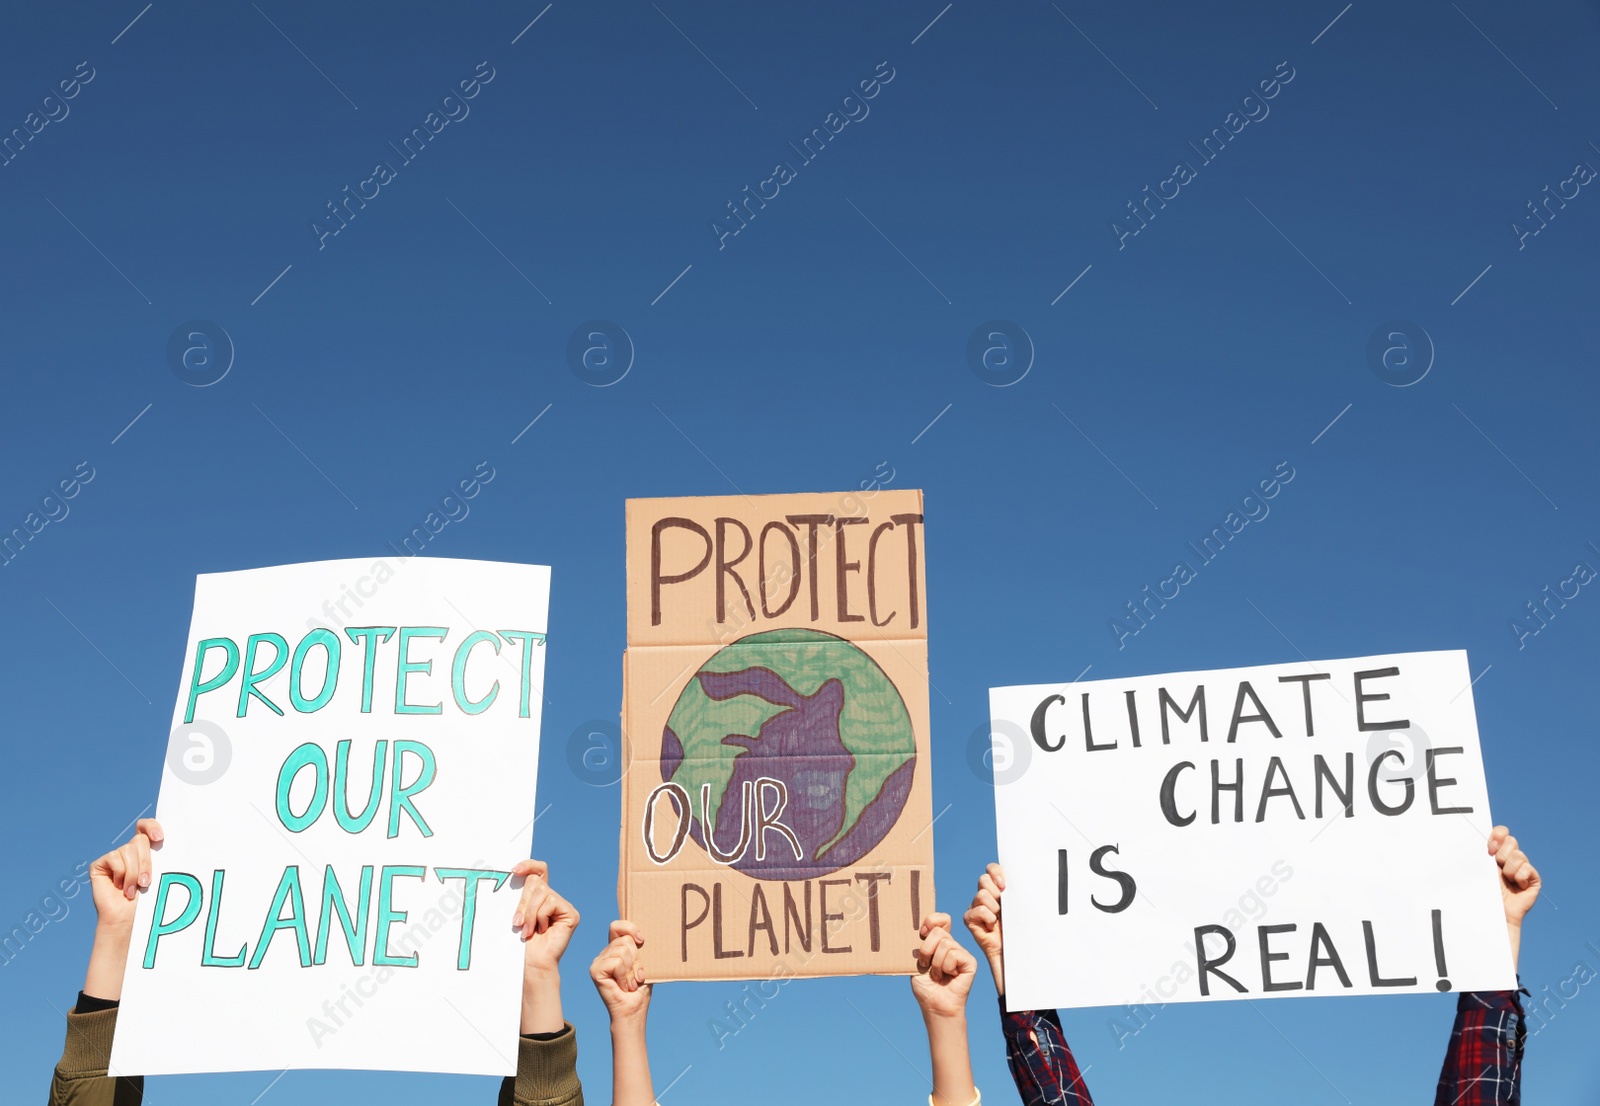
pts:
[1527, 875]
[531, 903]
[983, 918]
[624, 928]
[926, 950]
[1507, 847]
[534, 873]
[553, 907]
[531, 867]
[129, 858]
[532, 891]
[999, 875]
[951, 962]
[531, 876]
[987, 899]
[569, 913]
[112, 864]
[151, 829]
[945, 962]
[1497, 835]
[934, 921]
[141, 855]
[601, 969]
[605, 964]
[530, 920]
[622, 968]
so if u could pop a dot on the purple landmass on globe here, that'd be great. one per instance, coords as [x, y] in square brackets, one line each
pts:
[799, 746]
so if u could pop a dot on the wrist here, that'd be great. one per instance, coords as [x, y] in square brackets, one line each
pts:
[108, 962]
[945, 1019]
[541, 1002]
[540, 980]
[112, 940]
[627, 1025]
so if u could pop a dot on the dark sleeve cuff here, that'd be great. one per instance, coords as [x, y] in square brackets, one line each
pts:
[1007, 1019]
[1490, 1001]
[88, 1004]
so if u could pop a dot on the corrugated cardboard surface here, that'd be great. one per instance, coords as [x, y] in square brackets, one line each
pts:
[777, 664]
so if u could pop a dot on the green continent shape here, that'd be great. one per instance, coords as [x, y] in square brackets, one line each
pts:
[874, 724]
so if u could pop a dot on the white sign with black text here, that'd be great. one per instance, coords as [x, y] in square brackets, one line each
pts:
[1294, 829]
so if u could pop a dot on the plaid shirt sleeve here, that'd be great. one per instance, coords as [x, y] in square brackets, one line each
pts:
[1483, 1064]
[1040, 1061]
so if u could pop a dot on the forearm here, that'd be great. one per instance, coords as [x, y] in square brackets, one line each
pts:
[541, 1001]
[1485, 1049]
[1514, 931]
[1042, 1066]
[630, 1064]
[108, 960]
[952, 1065]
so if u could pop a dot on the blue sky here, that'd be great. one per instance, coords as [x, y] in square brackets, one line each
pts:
[823, 345]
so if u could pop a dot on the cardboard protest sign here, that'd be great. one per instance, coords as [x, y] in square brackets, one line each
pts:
[1314, 828]
[776, 808]
[349, 779]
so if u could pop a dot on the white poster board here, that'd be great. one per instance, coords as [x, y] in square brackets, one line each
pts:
[1314, 828]
[349, 778]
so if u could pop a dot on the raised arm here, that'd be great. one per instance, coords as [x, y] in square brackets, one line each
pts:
[944, 979]
[1041, 1064]
[547, 1053]
[82, 1077]
[1483, 1062]
[619, 976]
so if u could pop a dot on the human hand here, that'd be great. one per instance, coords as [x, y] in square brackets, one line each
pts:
[620, 977]
[983, 922]
[117, 878]
[944, 971]
[115, 881]
[1519, 884]
[1519, 880]
[544, 921]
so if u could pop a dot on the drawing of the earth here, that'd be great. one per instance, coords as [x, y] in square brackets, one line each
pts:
[809, 710]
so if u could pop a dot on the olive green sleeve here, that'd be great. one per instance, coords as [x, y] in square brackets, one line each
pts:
[81, 1078]
[547, 1073]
